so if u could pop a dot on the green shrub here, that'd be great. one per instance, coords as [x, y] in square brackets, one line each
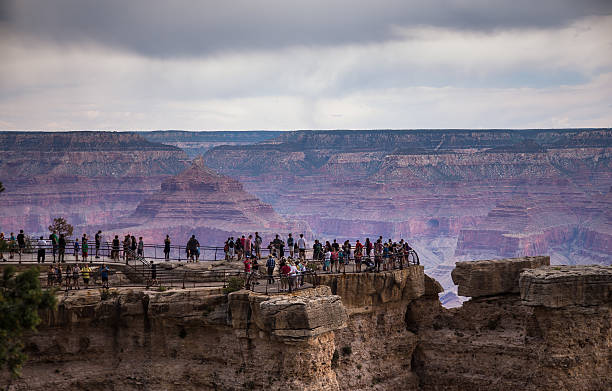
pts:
[234, 284]
[347, 350]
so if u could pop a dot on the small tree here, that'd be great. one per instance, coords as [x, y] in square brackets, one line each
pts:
[21, 297]
[61, 227]
[1, 187]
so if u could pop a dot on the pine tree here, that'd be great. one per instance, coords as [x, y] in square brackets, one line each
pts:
[21, 299]
[61, 227]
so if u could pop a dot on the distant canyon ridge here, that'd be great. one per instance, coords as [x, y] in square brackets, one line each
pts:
[455, 195]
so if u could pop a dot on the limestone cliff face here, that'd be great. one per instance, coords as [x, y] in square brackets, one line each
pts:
[379, 332]
[555, 335]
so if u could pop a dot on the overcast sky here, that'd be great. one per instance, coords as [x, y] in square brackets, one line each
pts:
[283, 64]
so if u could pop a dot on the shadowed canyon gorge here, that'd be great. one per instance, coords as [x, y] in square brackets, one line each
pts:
[455, 195]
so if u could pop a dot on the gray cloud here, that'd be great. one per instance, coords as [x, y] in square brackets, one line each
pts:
[192, 28]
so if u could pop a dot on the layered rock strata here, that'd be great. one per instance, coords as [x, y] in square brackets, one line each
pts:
[378, 332]
[487, 278]
[202, 202]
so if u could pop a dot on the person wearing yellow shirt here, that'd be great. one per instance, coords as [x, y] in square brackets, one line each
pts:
[85, 272]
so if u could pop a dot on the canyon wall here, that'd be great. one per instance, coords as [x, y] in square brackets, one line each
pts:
[90, 178]
[353, 332]
[455, 195]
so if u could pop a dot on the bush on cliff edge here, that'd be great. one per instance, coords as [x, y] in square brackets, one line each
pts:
[21, 299]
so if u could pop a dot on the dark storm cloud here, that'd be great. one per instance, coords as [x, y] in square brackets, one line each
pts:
[185, 28]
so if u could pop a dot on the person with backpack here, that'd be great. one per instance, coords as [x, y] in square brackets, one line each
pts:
[116, 247]
[358, 255]
[61, 244]
[53, 239]
[368, 247]
[98, 239]
[85, 245]
[21, 243]
[270, 265]
[232, 249]
[104, 275]
[334, 260]
[258, 241]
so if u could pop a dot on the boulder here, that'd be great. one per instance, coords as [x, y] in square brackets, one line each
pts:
[561, 286]
[493, 277]
[289, 317]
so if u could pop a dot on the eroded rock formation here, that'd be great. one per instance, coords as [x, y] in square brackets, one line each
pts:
[378, 332]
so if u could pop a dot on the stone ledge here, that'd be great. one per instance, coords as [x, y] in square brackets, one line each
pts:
[562, 286]
[288, 317]
[493, 277]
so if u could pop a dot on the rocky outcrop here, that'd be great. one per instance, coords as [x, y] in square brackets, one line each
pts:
[562, 286]
[557, 339]
[487, 278]
[290, 318]
[200, 338]
[375, 289]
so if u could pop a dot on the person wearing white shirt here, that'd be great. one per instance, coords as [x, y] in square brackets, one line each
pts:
[41, 244]
[302, 246]
[292, 277]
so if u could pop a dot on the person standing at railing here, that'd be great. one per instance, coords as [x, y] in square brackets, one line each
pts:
[21, 242]
[12, 245]
[302, 247]
[290, 244]
[140, 247]
[61, 247]
[77, 248]
[378, 249]
[167, 248]
[270, 265]
[232, 248]
[126, 247]
[115, 249]
[368, 247]
[98, 239]
[53, 239]
[85, 245]
[85, 272]
[327, 260]
[133, 245]
[42, 243]
[258, 242]
[358, 255]
[104, 275]
[76, 275]
[285, 270]
[301, 271]
[248, 246]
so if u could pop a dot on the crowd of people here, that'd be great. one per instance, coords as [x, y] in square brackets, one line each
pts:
[70, 277]
[289, 256]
